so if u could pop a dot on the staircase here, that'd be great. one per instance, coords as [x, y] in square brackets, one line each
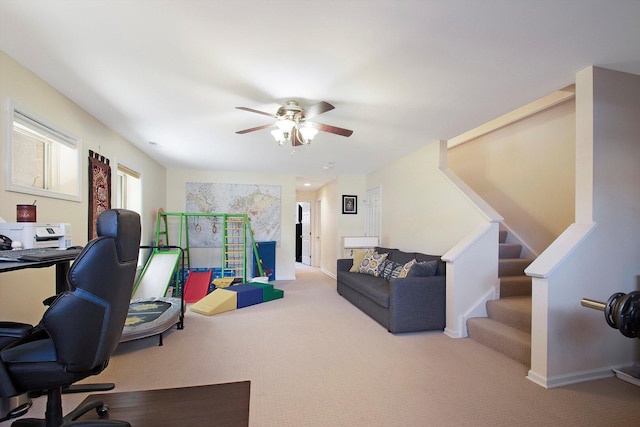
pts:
[507, 328]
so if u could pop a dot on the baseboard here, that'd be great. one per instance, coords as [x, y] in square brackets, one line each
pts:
[453, 334]
[328, 273]
[573, 378]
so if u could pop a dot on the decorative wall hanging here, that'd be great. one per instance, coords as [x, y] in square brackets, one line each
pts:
[349, 204]
[99, 189]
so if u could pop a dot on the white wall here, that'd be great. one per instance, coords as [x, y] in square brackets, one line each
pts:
[328, 200]
[285, 248]
[334, 224]
[22, 292]
[599, 254]
[350, 224]
[421, 210]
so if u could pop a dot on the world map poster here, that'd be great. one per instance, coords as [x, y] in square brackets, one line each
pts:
[260, 202]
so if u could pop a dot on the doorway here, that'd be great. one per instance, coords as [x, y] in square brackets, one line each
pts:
[303, 233]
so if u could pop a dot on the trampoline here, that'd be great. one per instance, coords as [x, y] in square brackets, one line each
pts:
[151, 316]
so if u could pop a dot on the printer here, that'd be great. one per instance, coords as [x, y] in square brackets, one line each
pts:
[34, 236]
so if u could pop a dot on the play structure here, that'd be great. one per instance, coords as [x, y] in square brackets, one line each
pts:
[236, 237]
[167, 281]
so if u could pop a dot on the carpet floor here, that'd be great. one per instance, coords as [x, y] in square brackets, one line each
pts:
[313, 359]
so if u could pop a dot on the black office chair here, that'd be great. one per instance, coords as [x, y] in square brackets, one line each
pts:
[82, 327]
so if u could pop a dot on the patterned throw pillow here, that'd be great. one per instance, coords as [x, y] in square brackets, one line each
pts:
[389, 269]
[405, 268]
[358, 256]
[370, 263]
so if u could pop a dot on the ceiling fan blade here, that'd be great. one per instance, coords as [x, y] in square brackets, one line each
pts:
[330, 129]
[319, 108]
[251, 110]
[241, 132]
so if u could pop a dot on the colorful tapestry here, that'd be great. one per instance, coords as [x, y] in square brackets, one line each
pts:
[99, 189]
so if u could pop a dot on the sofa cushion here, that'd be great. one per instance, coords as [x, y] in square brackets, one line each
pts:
[370, 263]
[374, 288]
[396, 255]
[423, 269]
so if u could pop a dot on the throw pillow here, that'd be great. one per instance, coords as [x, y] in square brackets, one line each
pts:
[358, 256]
[423, 269]
[389, 269]
[405, 269]
[370, 263]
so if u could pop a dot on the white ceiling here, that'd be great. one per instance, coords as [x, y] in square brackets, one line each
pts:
[400, 73]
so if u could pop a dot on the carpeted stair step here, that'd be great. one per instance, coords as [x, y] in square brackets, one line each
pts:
[513, 266]
[509, 250]
[511, 286]
[509, 341]
[512, 311]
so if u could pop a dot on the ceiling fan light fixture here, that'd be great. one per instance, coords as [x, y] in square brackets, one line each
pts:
[279, 136]
[285, 125]
[308, 133]
[291, 125]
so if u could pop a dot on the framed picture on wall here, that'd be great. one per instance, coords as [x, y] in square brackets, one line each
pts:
[349, 204]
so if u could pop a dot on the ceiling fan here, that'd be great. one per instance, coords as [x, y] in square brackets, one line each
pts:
[293, 125]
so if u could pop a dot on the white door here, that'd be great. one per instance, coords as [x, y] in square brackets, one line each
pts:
[317, 219]
[373, 218]
[306, 232]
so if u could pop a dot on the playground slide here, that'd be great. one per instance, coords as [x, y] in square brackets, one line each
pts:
[156, 276]
[197, 285]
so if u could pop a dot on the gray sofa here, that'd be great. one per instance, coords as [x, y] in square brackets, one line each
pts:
[410, 304]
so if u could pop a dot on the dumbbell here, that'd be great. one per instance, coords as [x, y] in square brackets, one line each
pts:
[621, 311]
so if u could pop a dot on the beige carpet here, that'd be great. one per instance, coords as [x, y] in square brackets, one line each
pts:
[315, 360]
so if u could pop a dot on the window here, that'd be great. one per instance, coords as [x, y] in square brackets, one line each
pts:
[129, 195]
[41, 160]
[129, 189]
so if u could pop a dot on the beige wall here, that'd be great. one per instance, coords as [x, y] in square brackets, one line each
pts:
[328, 203]
[421, 210]
[334, 225]
[285, 248]
[22, 292]
[526, 172]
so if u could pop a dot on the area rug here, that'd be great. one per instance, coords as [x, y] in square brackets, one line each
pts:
[208, 405]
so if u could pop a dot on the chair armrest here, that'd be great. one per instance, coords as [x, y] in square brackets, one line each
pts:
[417, 303]
[344, 264]
[10, 332]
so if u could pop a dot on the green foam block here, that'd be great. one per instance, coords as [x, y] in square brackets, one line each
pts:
[269, 293]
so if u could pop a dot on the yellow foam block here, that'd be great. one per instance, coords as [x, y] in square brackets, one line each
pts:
[223, 282]
[218, 301]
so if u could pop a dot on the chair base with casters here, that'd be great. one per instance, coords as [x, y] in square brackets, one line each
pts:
[54, 417]
[13, 407]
